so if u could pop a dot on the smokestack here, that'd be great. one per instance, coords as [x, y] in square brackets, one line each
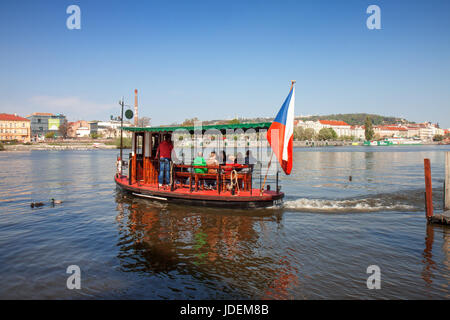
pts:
[135, 108]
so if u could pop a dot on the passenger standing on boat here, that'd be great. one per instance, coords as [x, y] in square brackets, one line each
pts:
[164, 152]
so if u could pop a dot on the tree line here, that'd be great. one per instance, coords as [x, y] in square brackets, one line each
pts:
[356, 119]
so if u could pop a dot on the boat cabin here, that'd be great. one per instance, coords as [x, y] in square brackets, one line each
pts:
[189, 180]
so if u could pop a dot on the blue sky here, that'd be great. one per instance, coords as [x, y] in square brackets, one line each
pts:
[217, 59]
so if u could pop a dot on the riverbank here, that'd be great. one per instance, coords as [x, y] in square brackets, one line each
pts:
[58, 146]
[68, 144]
[110, 144]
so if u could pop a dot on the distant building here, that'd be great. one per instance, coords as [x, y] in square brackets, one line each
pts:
[13, 127]
[424, 131]
[391, 131]
[111, 129]
[340, 127]
[359, 132]
[82, 128]
[42, 123]
[93, 127]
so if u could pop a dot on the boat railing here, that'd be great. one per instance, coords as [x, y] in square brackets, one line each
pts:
[233, 178]
[266, 178]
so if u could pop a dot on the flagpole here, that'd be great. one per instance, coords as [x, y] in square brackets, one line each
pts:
[270, 162]
[271, 155]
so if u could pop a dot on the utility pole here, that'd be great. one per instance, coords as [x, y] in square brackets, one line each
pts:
[135, 108]
[121, 129]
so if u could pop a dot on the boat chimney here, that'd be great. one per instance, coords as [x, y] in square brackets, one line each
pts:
[135, 107]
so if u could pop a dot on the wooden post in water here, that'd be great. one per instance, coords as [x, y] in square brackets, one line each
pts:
[428, 189]
[447, 182]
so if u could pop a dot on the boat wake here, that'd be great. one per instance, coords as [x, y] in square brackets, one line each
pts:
[411, 201]
[361, 205]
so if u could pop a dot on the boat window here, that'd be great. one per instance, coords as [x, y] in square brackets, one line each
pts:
[139, 144]
[155, 144]
[147, 147]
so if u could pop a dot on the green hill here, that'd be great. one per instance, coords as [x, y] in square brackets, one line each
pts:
[356, 118]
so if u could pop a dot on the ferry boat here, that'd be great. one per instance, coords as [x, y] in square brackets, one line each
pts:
[378, 143]
[234, 184]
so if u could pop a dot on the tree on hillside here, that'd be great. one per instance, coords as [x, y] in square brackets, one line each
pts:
[327, 134]
[310, 134]
[369, 133]
[303, 134]
[63, 129]
[189, 122]
[50, 135]
[234, 121]
[356, 118]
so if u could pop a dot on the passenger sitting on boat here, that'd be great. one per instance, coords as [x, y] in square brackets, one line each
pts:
[239, 161]
[200, 161]
[249, 158]
[212, 161]
[231, 163]
[164, 153]
[248, 161]
[239, 158]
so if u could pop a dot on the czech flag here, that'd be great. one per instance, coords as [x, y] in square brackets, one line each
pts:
[281, 132]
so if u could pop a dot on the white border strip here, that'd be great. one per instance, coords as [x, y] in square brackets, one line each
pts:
[152, 197]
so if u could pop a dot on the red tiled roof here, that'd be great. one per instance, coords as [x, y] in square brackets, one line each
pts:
[334, 122]
[391, 128]
[42, 114]
[11, 117]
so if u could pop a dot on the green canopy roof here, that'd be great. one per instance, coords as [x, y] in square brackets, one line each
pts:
[261, 125]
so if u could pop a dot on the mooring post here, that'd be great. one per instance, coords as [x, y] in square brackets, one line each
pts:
[428, 189]
[447, 182]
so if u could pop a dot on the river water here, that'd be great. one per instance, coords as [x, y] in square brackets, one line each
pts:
[317, 246]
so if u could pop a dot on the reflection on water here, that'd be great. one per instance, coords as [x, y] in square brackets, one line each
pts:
[429, 264]
[212, 245]
[317, 246]
[431, 268]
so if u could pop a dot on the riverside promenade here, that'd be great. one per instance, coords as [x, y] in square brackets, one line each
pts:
[63, 145]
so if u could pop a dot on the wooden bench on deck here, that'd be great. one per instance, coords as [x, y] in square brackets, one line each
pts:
[221, 177]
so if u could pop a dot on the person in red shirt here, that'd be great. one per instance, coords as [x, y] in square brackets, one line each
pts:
[164, 153]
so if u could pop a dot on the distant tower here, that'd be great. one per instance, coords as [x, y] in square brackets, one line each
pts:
[135, 108]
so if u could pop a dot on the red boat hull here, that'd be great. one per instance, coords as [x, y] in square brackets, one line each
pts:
[210, 198]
